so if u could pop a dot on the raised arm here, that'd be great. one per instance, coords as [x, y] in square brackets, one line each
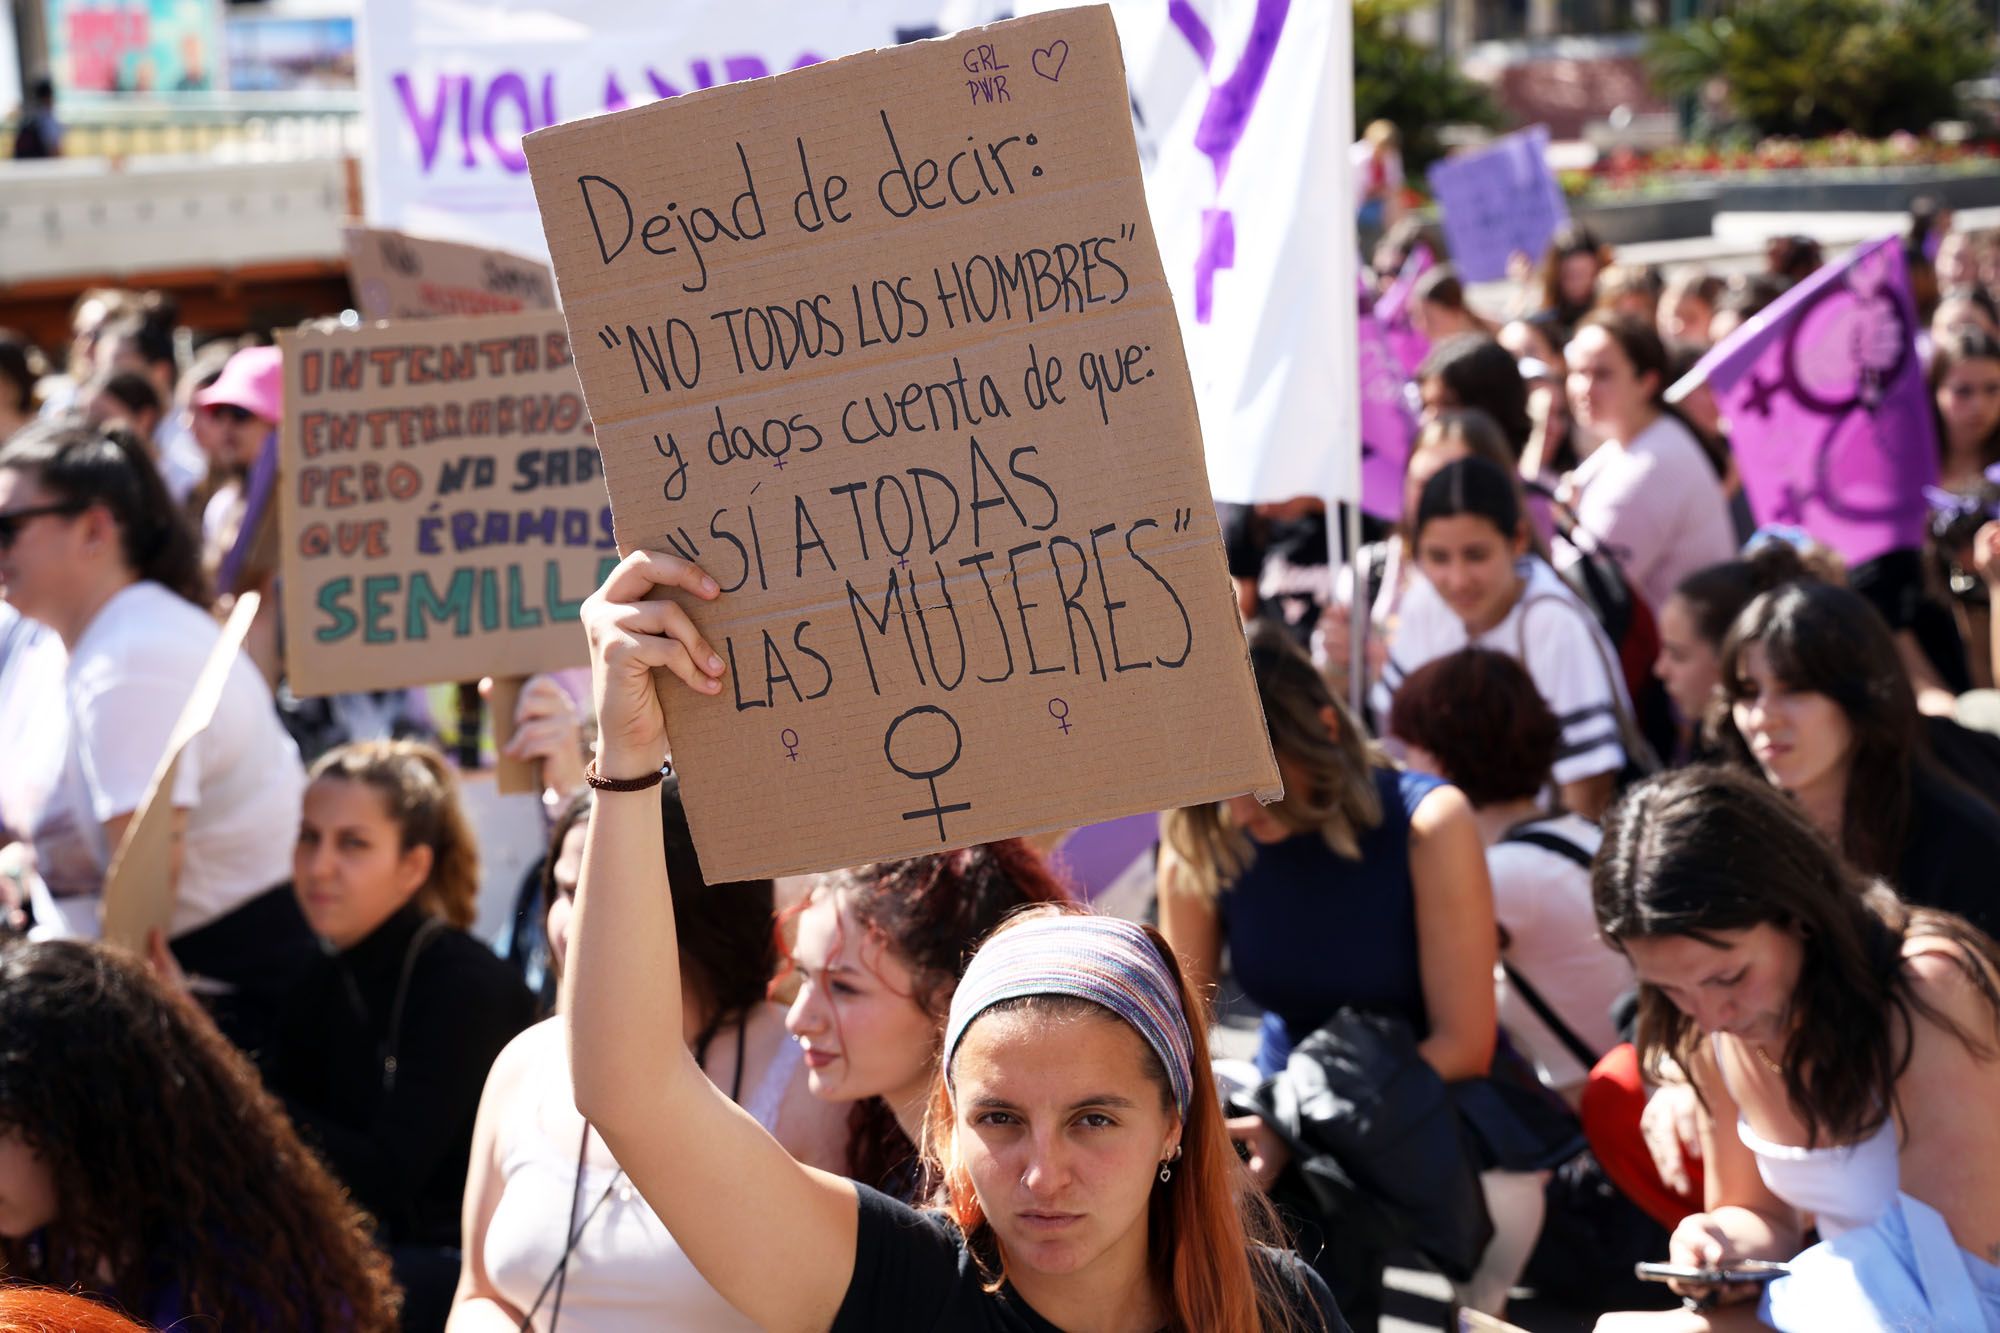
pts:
[736, 1201]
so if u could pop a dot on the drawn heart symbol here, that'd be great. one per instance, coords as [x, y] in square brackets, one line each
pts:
[1055, 53]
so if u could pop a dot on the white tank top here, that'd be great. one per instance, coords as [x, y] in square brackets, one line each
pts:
[627, 1273]
[1845, 1188]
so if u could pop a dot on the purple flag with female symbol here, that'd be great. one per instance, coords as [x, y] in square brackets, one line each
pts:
[1392, 311]
[1829, 420]
[1387, 423]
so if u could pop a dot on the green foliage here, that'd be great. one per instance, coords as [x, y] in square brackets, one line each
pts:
[1407, 84]
[1814, 67]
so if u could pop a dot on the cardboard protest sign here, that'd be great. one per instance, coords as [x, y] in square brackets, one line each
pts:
[1496, 200]
[886, 347]
[399, 276]
[1829, 421]
[441, 504]
[139, 888]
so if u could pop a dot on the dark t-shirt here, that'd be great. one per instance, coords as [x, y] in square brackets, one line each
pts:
[913, 1274]
[1950, 851]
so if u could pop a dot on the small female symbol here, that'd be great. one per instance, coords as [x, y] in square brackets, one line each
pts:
[790, 740]
[1062, 716]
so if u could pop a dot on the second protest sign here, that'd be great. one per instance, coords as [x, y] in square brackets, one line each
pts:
[886, 347]
[442, 507]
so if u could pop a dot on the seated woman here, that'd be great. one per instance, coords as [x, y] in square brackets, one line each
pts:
[1088, 1178]
[1438, 308]
[141, 1161]
[1474, 719]
[1814, 696]
[535, 1161]
[1649, 492]
[387, 1043]
[1475, 550]
[1846, 1049]
[878, 953]
[1364, 888]
[1390, 565]
[94, 549]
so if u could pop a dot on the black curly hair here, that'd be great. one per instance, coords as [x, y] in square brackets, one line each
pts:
[175, 1170]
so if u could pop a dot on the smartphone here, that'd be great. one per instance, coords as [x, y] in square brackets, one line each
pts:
[1743, 1270]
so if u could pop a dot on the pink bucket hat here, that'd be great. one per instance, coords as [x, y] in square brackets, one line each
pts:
[253, 379]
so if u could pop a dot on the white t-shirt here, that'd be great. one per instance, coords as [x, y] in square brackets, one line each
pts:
[1542, 900]
[1560, 644]
[1654, 501]
[240, 781]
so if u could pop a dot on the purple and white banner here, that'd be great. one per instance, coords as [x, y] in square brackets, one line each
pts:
[1392, 311]
[1388, 423]
[1828, 416]
[1244, 113]
[450, 88]
[1496, 200]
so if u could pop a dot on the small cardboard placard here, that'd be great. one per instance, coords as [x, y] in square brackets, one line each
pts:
[396, 275]
[139, 893]
[1499, 200]
[885, 345]
[441, 503]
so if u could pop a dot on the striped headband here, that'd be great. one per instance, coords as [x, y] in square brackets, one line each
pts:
[1102, 959]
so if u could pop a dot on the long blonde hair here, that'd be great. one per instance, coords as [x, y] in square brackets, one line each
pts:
[421, 793]
[1330, 783]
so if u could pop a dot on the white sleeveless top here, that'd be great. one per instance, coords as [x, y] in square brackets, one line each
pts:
[1845, 1188]
[627, 1273]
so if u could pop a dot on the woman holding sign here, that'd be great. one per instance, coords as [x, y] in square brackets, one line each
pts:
[1089, 1182]
[92, 546]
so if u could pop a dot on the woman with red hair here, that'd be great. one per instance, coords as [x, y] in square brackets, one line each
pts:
[879, 951]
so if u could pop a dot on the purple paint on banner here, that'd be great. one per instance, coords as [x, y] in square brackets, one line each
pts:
[1829, 419]
[1392, 312]
[1218, 251]
[257, 495]
[1386, 424]
[1223, 121]
[1497, 200]
[1091, 859]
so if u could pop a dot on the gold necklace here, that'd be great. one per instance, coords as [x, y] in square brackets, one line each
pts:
[1769, 1063]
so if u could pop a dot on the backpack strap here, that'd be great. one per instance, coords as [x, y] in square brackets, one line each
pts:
[1638, 750]
[1569, 851]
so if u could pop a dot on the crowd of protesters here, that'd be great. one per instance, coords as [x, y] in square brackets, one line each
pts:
[1639, 904]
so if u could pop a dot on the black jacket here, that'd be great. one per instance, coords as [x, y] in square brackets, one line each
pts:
[399, 1143]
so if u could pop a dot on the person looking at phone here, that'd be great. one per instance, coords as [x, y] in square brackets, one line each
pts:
[1845, 1047]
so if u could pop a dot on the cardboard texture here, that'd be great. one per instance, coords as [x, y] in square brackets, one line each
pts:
[441, 503]
[396, 275]
[139, 888]
[885, 346]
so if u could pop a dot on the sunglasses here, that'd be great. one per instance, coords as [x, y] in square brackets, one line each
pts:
[230, 412]
[13, 520]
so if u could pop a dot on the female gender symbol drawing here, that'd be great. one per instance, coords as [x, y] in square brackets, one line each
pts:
[937, 809]
[1846, 367]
